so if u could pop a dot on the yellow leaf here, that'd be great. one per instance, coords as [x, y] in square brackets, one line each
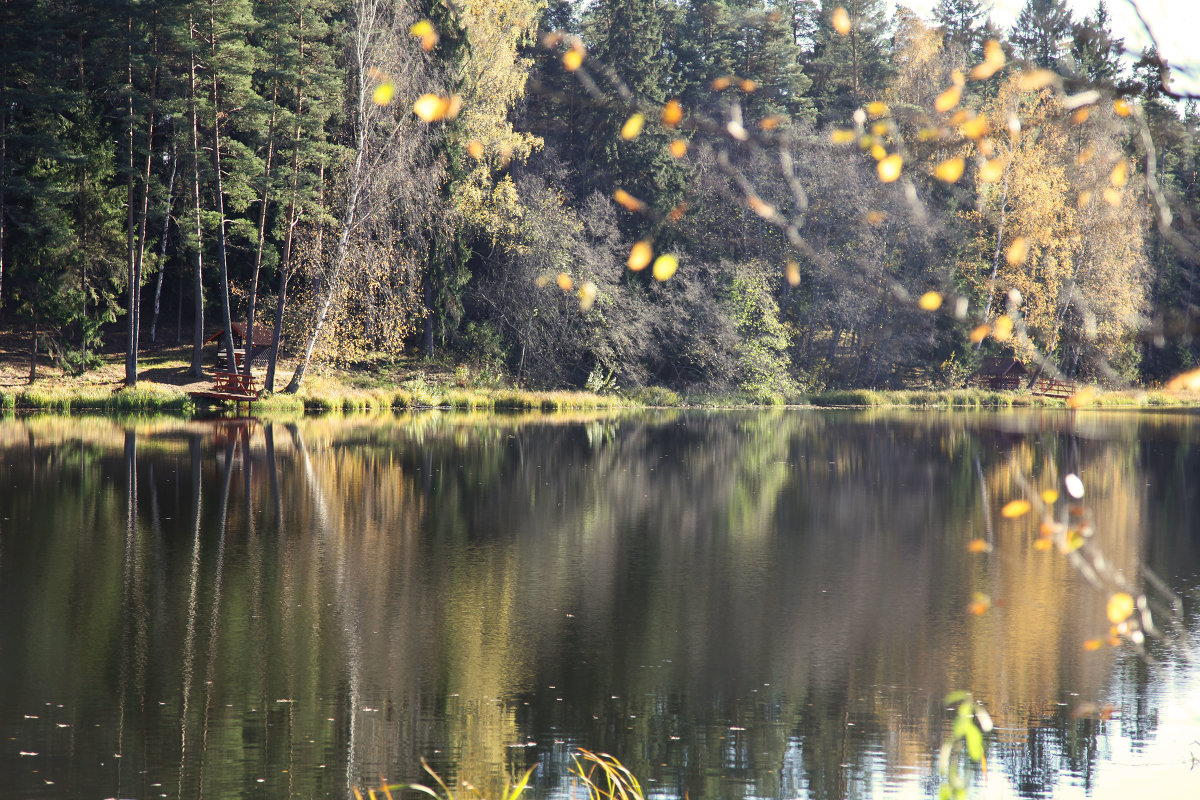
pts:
[980, 333]
[564, 282]
[931, 134]
[930, 301]
[956, 77]
[978, 546]
[889, 168]
[950, 170]
[676, 213]
[979, 604]
[1018, 251]
[875, 217]
[672, 113]
[975, 127]
[879, 129]
[1043, 544]
[633, 126]
[640, 255]
[1120, 606]
[948, 99]
[877, 109]
[1112, 197]
[1050, 496]
[993, 60]
[722, 83]
[587, 295]
[425, 31]
[1120, 174]
[1002, 330]
[792, 273]
[1092, 644]
[1121, 107]
[1085, 155]
[627, 201]
[475, 149]
[769, 123]
[748, 85]
[1015, 508]
[665, 266]
[991, 170]
[842, 136]
[878, 152]
[678, 148]
[993, 53]
[430, 107]
[1034, 79]
[841, 20]
[1185, 381]
[1084, 198]
[1080, 116]
[383, 93]
[573, 59]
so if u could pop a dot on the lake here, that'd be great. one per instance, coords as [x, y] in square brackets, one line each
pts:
[741, 604]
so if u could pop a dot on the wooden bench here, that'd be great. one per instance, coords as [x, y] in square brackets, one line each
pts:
[233, 386]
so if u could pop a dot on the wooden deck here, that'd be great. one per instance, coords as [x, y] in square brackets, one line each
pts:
[1052, 388]
[230, 386]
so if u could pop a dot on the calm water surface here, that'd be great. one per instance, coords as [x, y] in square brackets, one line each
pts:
[766, 605]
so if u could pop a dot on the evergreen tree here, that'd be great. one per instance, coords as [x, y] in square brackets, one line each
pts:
[963, 21]
[1097, 55]
[1041, 31]
[849, 69]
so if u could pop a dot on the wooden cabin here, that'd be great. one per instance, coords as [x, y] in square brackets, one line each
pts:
[263, 339]
[999, 373]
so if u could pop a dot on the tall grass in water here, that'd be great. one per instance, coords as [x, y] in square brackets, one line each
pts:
[602, 776]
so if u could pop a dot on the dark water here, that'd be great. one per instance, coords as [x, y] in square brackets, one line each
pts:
[767, 605]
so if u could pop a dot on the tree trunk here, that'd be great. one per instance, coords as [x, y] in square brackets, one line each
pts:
[198, 282]
[222, 259]
[262, 227]
[131, 321]
[987, 310]
[162, 262]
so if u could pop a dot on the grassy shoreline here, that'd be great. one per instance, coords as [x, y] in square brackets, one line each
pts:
[331, 396]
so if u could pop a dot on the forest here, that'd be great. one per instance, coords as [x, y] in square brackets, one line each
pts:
[830, 195]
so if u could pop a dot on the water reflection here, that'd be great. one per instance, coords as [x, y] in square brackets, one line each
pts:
[735, 604]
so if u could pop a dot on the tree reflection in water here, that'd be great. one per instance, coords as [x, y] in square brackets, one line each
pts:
[734, 604]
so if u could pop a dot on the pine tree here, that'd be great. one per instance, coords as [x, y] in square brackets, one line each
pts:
[1041, 31]
[849, 69]
[1097, 55]
[963, 21]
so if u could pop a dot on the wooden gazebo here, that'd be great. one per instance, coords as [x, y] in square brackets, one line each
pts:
[998, 373]
[264, 337]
